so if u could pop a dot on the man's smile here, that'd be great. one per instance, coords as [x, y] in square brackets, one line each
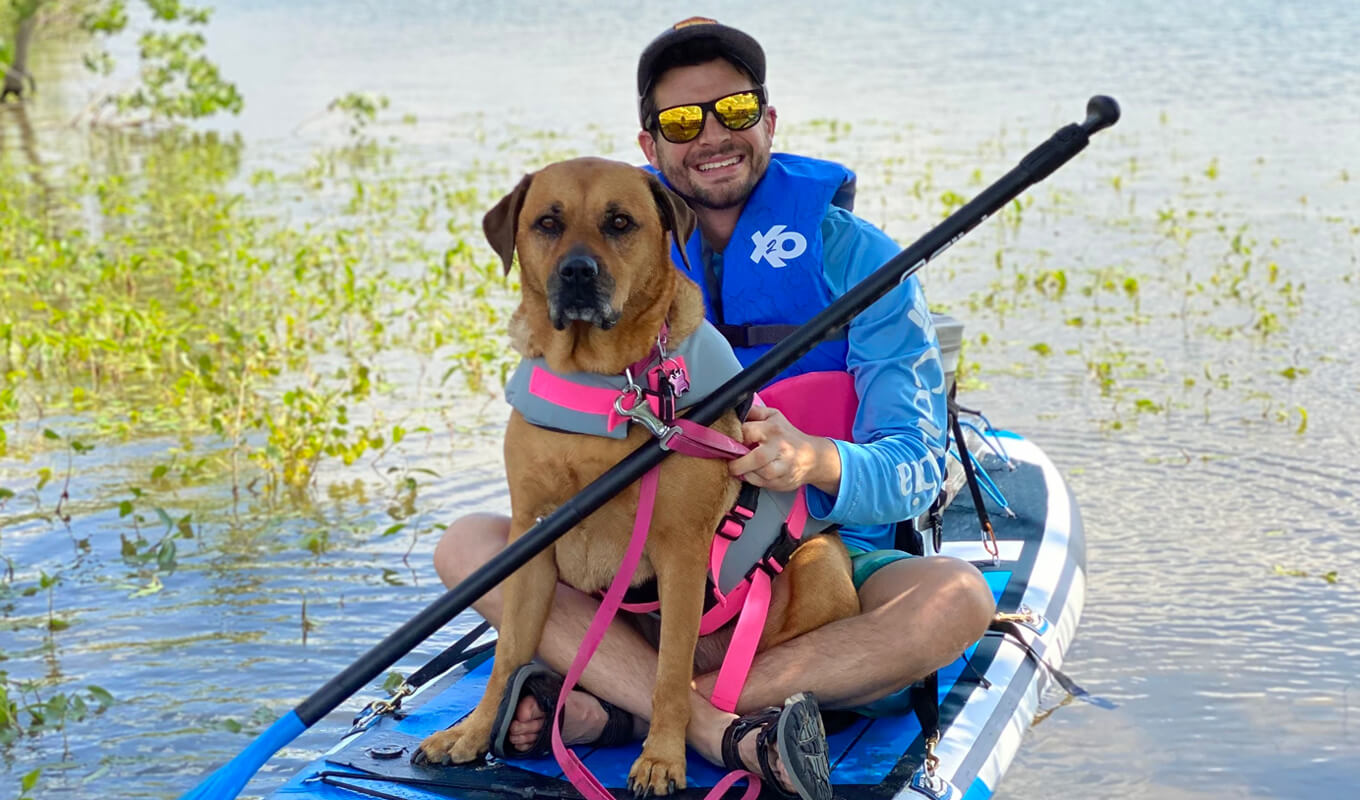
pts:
[719, 163]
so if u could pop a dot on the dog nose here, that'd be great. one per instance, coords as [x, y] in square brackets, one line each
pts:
[578, 268]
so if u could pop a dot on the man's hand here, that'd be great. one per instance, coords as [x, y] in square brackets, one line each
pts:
[782, 457]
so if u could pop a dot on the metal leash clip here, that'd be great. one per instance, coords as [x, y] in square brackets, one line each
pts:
[642, 413]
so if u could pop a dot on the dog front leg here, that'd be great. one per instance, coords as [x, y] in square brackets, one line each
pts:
[528, 599]
[680, 583]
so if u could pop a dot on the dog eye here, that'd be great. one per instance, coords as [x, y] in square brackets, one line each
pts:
[621, 223]
[548, 224]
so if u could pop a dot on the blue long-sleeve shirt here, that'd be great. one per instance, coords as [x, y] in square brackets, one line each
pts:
[893, 469]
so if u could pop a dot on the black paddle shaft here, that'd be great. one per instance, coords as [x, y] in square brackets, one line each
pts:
[1101, 113]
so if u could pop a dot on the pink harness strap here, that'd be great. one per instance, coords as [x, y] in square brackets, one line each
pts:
[572, 766]
[741, 652]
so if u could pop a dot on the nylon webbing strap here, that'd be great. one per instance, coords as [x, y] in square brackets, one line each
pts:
[453, 655]
[341, 780]
[1013, 632]
[973, 487]
[755, 335]
[925, 703]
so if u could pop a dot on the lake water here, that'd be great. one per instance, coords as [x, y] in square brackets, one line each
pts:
[1127, 318]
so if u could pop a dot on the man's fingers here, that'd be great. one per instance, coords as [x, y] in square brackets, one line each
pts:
[752, 462]
[754, 433]
[760, 412]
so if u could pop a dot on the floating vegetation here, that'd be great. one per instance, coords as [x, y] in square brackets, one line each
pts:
[1291, 572]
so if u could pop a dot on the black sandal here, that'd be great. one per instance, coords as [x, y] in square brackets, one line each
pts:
[545, 685]
[796, 732]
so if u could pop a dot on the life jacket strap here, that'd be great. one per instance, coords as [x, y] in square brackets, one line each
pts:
[756, 335]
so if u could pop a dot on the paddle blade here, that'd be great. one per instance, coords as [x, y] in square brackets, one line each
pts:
[228, 781]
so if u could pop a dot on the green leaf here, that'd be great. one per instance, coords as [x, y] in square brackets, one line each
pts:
[165, 555]
[124, 508]
[391, 529]
[48, 433]
[30, 780]
[100, 695]
[159, 471]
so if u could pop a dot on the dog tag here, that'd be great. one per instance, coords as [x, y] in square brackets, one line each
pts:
[678, 380]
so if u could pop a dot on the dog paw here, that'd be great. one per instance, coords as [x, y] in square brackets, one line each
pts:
[460, 744]
[656, 775]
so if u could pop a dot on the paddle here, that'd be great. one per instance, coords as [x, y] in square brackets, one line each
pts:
[1101, 112]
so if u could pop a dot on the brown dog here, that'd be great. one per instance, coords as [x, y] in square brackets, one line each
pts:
[598, 283]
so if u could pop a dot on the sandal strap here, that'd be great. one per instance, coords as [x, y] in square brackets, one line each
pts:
[618, 728]
[764, 723]
[766, 740]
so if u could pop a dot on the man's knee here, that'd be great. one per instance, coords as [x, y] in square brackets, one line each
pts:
[942, 588]
[467, 544]
[967, 595]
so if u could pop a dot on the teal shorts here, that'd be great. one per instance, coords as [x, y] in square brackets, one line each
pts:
[866, 563]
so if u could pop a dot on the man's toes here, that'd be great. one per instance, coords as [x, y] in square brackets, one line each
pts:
[528, 710]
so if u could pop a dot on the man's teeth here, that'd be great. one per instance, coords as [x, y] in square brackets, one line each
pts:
[719, 164]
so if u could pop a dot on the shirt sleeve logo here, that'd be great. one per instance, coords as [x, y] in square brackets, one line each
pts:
[774, 245]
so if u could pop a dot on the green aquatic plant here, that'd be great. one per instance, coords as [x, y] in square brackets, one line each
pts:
[359, 108]
[199, 319]
[25, 711]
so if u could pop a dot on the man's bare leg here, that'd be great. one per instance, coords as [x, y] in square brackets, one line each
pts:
[917, 615]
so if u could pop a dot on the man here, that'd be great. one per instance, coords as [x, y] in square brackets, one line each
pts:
[771, 250]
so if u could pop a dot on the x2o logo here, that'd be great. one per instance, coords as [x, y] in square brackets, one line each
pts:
[775, 245]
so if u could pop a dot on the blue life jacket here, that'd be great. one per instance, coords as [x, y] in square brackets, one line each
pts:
[771, 279]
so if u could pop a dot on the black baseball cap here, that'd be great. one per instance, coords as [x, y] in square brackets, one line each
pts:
[734, 45]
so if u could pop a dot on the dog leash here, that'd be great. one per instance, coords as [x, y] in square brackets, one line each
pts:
[572, 767]
[655, 411]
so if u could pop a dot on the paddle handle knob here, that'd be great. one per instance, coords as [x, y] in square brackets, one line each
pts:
[1101, 112]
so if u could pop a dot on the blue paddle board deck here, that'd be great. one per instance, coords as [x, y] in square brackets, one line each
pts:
[988, 697]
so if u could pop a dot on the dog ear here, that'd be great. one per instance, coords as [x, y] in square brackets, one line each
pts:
[675, 215]
[500, 222]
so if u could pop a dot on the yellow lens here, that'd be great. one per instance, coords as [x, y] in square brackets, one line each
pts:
[682, 123]
[738, 111]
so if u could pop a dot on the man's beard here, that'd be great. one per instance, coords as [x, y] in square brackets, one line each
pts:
[731, 195]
